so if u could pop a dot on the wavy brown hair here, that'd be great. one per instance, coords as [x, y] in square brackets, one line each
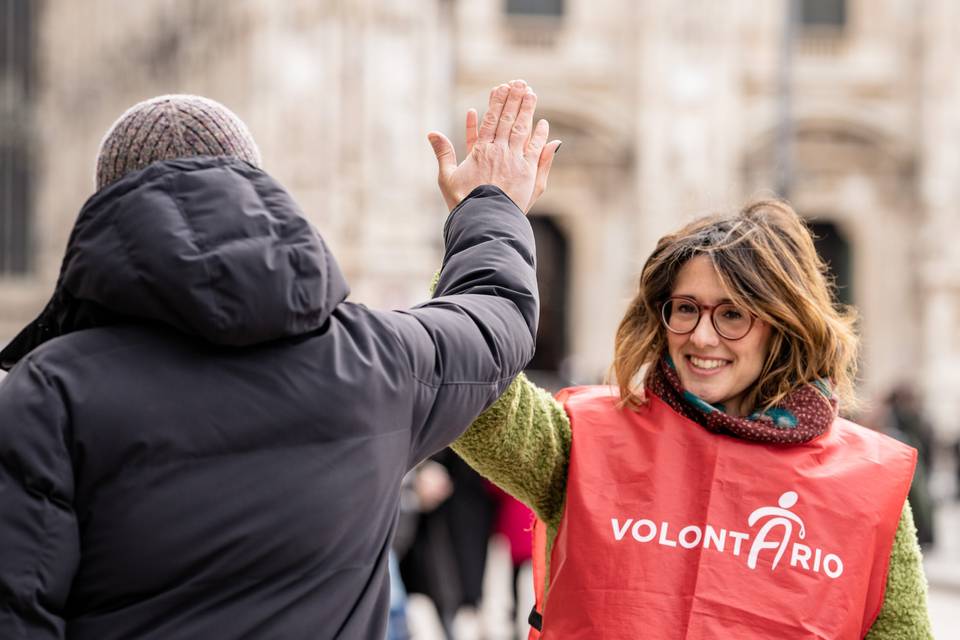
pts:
[765, 258]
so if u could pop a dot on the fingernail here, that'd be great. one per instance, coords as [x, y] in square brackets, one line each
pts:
[557, 150]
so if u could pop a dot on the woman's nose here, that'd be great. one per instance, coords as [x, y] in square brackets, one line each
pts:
[704, 335]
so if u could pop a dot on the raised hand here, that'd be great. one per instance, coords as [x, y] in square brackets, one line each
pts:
[504, 150]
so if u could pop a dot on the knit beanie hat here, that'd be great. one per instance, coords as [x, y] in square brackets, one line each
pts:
[172, 126]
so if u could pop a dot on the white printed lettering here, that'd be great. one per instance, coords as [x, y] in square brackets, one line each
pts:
[738, 537]
[800, 555]
[837, 566]
[663, 536]
[718, 536]
[635, 532]
[685, 541]
[760, 542]
[777, 527]
[618, 533]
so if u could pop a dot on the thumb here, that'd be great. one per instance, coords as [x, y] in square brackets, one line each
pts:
[543, 169]
[443, 149]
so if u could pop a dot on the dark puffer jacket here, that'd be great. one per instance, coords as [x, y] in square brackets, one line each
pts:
[209, 442]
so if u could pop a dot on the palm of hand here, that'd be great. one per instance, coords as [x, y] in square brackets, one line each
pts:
[490, 163]
[505, 150]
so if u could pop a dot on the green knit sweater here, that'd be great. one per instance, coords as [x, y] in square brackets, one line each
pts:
[522, 443]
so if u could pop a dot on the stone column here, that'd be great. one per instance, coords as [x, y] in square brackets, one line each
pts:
[346, 92]
[688, 132]
[940, 194]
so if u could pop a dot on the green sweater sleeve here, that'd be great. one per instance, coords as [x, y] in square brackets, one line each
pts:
[522, 444]
[904, 614]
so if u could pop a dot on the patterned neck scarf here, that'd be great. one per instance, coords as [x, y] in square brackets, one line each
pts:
[802, 416]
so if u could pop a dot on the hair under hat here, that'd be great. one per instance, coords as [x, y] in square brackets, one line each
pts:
[172, 126]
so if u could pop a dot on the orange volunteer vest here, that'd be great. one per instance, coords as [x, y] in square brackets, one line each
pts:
[671, 531]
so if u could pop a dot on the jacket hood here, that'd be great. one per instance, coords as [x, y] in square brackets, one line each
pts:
[213, 247]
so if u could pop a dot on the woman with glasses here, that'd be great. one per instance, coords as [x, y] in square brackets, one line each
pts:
[715, 492]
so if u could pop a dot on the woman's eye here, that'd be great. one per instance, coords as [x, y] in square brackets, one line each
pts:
[733, 314]
[685, 308]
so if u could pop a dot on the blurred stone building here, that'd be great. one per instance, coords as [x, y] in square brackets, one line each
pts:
[666, 110]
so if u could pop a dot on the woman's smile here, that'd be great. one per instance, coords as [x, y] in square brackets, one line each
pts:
[706, 366]
[709, 366]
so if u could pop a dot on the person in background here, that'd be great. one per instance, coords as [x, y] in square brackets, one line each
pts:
[956, 469]
[514, 522]
[424, 489]
[447, 558]
[200, 437]
[902, 418]
[397, 628]
[714, 492]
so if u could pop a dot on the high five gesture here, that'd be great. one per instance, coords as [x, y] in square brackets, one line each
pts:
[504, 149]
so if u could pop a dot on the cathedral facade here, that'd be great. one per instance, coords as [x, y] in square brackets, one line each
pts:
[667, 110]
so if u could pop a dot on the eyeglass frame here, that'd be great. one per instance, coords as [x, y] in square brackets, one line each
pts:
[700, 310]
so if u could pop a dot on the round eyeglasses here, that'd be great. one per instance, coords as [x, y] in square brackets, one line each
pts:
[682, 315]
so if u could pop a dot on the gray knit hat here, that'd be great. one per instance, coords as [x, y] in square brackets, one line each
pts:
[173, 126]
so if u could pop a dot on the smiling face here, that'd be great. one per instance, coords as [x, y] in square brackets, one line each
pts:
[713, 368]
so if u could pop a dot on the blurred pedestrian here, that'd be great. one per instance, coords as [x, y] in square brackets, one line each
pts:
[956, 468]
[902, 418]
[424, 489]
[199, 436]
[447, 559]
[714, 492]
[514, 522]
[397, 628]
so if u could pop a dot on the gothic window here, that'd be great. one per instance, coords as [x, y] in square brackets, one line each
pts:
[16, 85]
[834, 249]
[535, 7]
[823, 13]
[552, 281]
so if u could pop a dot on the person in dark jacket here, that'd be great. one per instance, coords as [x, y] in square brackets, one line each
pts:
[447, 558]
[901, 417]
[199, 436]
